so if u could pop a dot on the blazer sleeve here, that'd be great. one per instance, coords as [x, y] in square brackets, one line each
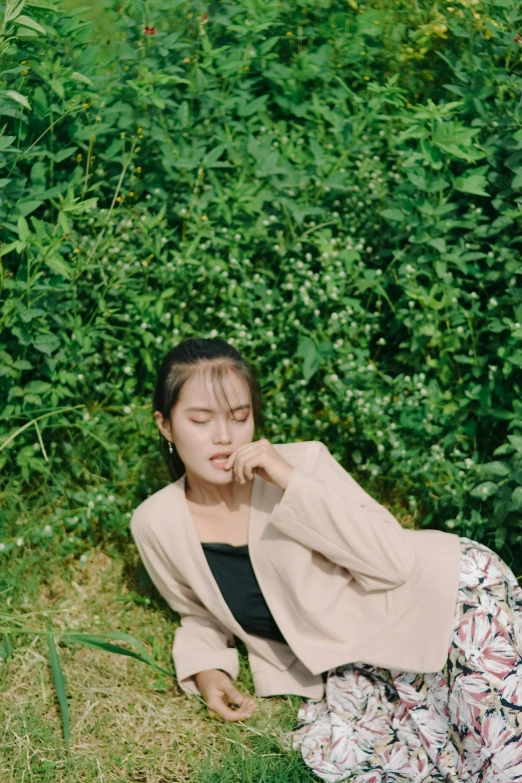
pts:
[328, 511]
[200, 642]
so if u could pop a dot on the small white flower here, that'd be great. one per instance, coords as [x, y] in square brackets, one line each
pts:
[2, 547]
[80, 376]
[493, 302]
[127, 370]
[110, 498]
[126, 409]
[91, 503]
[47, 529]
[19, 541]
[86, 416]
[83, 558]
[237, 236]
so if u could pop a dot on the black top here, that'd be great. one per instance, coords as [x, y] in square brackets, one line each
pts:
[232, 570]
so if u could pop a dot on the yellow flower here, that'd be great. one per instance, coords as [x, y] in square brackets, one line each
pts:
[204, 217]
[145, 263]
[289, 32]
[118, 198]
[122, 135]
[138, 168]
[375, 21]
[409, 104]
[131, 193]
[366, 78]
[186, 59]
[140, 130]
[76, 249]
[85, 105]
[98, 119]
[26, 72]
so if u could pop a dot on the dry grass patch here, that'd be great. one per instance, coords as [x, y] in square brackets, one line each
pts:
[128, 721]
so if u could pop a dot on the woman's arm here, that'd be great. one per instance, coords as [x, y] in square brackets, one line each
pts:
[326, 510]
[200, 643]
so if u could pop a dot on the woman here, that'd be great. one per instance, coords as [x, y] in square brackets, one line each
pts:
[408, 643]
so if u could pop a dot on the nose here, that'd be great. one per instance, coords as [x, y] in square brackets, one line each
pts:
[222, 430]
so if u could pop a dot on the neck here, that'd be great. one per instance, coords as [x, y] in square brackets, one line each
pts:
[230, 496]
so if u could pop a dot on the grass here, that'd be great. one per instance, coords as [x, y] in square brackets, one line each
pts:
[128, 722]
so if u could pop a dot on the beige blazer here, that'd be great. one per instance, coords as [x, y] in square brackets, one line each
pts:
[343, 580]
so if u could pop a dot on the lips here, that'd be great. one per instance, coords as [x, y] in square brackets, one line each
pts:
[223, 454]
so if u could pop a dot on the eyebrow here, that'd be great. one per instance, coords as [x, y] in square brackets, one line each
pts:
[209, 410]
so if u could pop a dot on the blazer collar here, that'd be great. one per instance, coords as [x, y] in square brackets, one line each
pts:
[182, 534]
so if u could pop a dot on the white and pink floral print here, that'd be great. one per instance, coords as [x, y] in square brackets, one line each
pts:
[460, 725]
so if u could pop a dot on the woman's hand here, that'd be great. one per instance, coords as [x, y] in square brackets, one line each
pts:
[262, 458]
[218, 690]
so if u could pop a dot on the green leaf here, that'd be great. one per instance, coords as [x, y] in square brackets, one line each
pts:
[438, 243]
[395, 215]
[472, 183]
[23, 229]
[58, 265]
[515, 501]
[12, 11]
[6, 141]
[60, 686]
[38, 387]
[7, 248]
[500, 537]
[80, 77]
[494, 468]
[6, 648]
[26, 21]
[516, 441]
[94, 641]
[46, 343]
[16, 96]
[506, 448]
[484, 490]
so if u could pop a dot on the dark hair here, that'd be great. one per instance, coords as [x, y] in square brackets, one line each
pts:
[200, 356]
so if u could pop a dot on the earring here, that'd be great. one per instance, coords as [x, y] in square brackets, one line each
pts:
[171, 450]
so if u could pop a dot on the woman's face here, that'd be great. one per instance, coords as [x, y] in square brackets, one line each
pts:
[199, 429]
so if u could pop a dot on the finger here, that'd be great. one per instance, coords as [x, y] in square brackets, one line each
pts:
[234, 695]
[222, 710]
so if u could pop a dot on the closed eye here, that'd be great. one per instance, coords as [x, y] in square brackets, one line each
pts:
[237, 421]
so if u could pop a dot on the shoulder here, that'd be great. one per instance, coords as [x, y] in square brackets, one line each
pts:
[152, 508]
[302, 454]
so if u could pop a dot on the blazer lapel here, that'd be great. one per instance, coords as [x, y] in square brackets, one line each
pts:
[264, 497]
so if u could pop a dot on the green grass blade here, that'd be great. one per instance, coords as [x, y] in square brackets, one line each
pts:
[6, 648]
[59, 686]
[99, 644]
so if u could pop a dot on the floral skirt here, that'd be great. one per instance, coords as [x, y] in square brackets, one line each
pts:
[462, 724]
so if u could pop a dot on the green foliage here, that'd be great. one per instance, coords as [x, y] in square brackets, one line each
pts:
[333, 188]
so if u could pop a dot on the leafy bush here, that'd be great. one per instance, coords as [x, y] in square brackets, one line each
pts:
[332, 187]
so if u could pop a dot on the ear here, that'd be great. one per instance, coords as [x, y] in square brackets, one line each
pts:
[163, 425]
